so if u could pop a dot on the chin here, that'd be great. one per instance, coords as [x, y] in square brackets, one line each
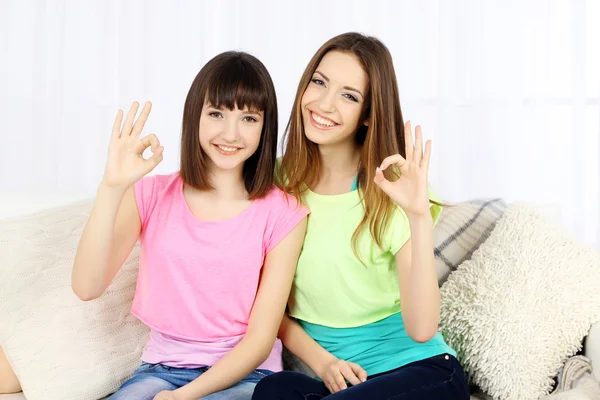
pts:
[321, 137]
[227, 165]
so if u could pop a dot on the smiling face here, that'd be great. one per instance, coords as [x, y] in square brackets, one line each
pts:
[332, 104]
[229, 137]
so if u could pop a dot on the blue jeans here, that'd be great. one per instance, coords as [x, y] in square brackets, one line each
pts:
[150, 379]
[435, 378]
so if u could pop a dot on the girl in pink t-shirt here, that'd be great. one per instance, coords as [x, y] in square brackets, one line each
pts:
[219, 243]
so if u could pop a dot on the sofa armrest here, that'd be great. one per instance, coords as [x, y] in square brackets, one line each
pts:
[591, 348]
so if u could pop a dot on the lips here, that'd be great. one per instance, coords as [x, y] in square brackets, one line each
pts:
[321, 122]
[227, 150]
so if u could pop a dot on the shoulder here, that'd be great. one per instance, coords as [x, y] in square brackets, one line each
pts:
[277, 198]
[155, 186]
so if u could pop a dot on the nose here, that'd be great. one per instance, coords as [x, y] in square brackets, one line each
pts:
[327, 103]
[231, 133]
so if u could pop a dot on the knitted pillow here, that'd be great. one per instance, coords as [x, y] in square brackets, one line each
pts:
[60, 347]
[521, 305]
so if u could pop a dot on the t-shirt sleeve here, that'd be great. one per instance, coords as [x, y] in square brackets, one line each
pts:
[285, 214]
[145, 197]
[400, 228]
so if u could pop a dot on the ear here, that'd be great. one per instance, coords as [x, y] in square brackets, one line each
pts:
[366, 121]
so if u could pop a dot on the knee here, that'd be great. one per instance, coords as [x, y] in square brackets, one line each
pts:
[275, 386]
[8, 386]
[145, 389]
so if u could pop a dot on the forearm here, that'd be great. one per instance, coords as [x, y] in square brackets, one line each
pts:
[296, 340]
[238, 363]
[421, 310]
[92, 261]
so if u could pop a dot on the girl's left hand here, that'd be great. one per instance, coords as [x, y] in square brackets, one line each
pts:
[411, 190]
[169, 395]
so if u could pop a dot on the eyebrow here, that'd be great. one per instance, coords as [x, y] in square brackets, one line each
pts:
[345, 87]
[223, 108]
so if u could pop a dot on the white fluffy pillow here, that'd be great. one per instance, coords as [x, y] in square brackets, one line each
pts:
[61, 347]
[521, 305]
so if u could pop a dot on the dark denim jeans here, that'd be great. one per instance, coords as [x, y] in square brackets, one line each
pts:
[436, 378]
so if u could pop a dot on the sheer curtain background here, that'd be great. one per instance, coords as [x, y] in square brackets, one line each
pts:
[509, 91]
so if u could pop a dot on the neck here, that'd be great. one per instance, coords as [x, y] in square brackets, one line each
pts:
[339, 159]
[227, 184]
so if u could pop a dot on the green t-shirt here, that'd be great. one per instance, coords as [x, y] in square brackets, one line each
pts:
[331, 287]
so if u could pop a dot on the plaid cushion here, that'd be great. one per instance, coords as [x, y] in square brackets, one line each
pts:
[461, 229]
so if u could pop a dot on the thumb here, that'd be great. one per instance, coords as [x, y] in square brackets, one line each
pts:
[381, 181]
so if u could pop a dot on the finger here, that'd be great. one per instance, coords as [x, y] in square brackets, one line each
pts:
[334, 388]
[141, 121]
[328, 386]
[349, 375]
[427, 156]
[408, 141]
[418, 154]
[148, 141]
[359, 371]
[116, 129]
[340, 381]
[382, 182]
[395, 159]
[156, 158]
[130, 117]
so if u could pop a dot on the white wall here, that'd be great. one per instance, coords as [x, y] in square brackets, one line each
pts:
[508, 91]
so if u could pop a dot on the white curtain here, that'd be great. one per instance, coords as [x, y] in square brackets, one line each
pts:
[509, 91]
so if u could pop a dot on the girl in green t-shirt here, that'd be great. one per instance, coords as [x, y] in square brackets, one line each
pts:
[364, 309]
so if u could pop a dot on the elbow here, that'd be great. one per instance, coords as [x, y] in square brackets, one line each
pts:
[422, 337]
[263, 345]
[84, 293]
[422, 334]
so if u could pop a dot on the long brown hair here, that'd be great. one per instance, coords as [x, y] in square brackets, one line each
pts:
[382, 137]
[228, 80]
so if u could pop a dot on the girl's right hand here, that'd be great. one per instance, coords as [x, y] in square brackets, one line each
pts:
[337, 372]
[125, 164]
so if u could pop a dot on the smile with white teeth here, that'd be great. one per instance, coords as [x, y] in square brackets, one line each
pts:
[322, 121]
[226, 150]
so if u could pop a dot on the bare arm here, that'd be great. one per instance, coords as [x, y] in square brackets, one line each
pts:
[265, 319]
[296, 340]
[9, 383]
[114, 224]
[108, 238]
[419, 291]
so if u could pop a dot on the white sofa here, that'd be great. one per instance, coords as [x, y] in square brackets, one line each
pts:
[21, 203]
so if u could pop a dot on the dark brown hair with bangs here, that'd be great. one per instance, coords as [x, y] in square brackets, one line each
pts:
[231, 79]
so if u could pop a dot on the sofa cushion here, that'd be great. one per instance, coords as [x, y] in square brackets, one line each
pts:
[521, 305]
[84, 349]
[461, 229]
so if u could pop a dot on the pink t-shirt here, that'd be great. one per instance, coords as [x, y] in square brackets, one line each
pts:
[198, 279]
